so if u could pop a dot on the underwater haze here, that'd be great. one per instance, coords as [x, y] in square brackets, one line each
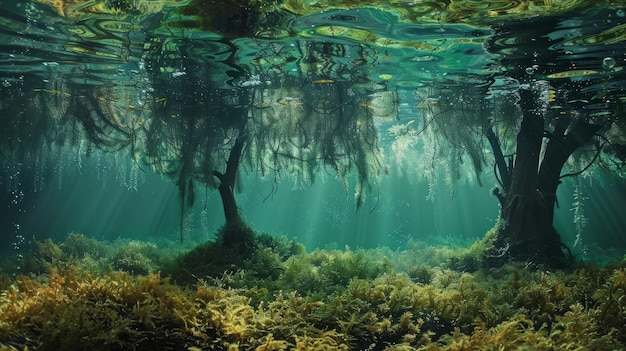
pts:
[312, 175]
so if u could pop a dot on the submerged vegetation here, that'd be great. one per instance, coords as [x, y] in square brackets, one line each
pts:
[83, 293]
[201, 92]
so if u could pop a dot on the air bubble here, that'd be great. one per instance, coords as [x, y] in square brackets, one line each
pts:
[620, 13]
[608, 63]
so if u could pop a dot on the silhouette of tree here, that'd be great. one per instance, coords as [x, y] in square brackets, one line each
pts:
[199, 132]
[531, 133]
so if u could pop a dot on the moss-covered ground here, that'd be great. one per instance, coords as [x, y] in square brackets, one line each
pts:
[83, 294]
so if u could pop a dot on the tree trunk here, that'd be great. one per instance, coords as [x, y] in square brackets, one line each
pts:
[525, 230]
[235, 233]
[231, 211]
[228, 178]
[526, 233]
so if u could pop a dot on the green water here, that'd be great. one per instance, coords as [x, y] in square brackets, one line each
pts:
[210, 64]
[312, 175]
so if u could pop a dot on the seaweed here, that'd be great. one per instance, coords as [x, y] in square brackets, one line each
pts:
[322, 300]
[78, 246]
[43, 256]
[76, 310]
[131, 260]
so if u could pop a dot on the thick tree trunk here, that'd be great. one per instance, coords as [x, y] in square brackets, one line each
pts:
[525, 230]
[526, 233]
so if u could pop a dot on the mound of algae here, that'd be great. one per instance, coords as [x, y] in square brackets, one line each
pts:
[323, 300]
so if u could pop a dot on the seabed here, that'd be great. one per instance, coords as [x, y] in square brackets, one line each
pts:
[84, 294]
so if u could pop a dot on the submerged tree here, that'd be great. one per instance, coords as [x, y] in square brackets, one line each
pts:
[198, 131]
[192, 112]
[565, 117]
[532, 133]
[190, 129]
[551, 111]
[529, 183]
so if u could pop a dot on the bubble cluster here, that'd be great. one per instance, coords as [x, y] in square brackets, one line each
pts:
[19, 242]
[608, 63]
[204, 220]
[532, 69]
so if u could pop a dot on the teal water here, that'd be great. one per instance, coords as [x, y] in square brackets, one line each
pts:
[320, 216]
[312, 175]
[147, 65]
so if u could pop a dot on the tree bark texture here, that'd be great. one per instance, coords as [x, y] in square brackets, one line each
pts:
[526, 231]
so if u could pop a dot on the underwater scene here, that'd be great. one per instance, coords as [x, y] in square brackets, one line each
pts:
[312, 175]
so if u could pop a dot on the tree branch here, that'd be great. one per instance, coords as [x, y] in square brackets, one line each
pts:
[505, 174]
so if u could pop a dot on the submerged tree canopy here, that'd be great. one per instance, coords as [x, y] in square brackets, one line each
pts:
[200, 90]
[532, 127]
[190, 129]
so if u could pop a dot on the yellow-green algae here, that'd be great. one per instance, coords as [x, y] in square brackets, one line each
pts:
[76, 295]
[424, 11]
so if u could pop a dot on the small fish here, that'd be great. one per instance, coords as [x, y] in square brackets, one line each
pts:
[551, 95]
[572, 73]
[436, 102]
[52, 91]
[141, 108]
[370, 106]
[323, 81]
[290, 101]
[600, 114]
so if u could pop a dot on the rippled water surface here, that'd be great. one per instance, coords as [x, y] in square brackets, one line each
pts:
[400, 43]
